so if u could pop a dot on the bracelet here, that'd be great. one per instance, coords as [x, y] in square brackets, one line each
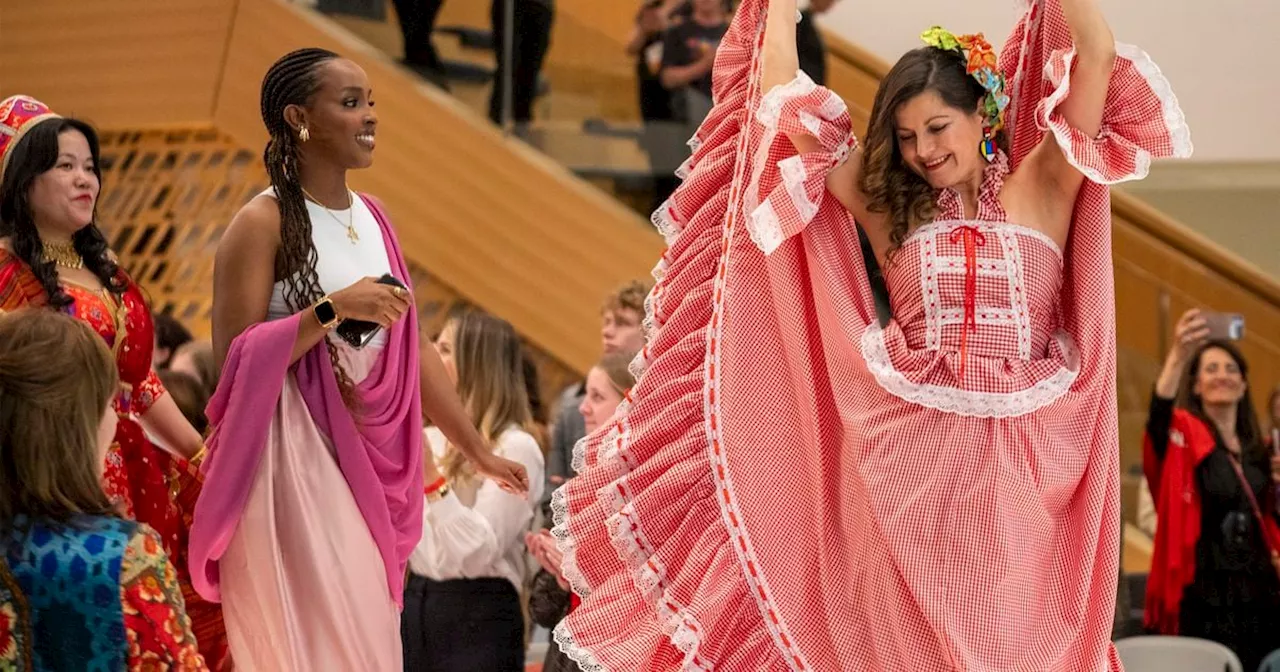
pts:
[198, 459]
[437, 490]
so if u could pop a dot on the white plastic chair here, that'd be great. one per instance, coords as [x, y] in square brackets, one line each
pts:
[1176, 654]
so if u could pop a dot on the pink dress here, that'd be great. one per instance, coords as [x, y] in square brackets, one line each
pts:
[793, 486]
[309, 512]
[302, 581]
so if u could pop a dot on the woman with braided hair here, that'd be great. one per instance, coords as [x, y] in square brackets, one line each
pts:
[795, 484]
[314, 481]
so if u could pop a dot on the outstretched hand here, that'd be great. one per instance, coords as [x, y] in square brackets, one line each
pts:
[510, 476]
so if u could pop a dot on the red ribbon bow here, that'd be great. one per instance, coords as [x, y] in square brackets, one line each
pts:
[972, 239]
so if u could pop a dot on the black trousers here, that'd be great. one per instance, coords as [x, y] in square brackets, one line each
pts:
[463, 625]
[529, 46]
[417, 22]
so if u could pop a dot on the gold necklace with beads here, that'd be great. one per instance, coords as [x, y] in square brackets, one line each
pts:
[351, 215]
[63, 254]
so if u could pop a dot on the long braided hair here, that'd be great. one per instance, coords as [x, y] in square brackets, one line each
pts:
[34, 155]
[294, 80]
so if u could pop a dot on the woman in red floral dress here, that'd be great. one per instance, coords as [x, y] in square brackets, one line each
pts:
[53, 255]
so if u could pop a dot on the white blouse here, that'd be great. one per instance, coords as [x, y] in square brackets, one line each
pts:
[478, 532]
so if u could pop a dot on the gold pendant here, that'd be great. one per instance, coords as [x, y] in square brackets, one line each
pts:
[352, 235]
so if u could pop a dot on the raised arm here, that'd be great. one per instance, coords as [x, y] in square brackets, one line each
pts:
[1090, 77]
[781, 65]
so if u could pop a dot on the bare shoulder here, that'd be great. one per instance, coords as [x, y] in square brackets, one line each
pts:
[256, 225]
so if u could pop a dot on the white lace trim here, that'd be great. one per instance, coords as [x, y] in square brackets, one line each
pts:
[567, 545]
[769, 112]
[1175, 120]
[934, 228]
[639, 364]
[1021, 313]
[664, 220]
[652, 321]
[579, 459]
[930, 290]
[794, 176]
[765, 228]
[585, 660]
[685, 167]
[967, 402]
[764, 225]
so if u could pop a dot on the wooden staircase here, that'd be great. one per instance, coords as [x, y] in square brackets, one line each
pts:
[493, 222]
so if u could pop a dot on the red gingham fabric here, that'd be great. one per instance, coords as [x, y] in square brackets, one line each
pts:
[793, 487]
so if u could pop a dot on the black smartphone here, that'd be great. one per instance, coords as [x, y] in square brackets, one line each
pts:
[358, 333]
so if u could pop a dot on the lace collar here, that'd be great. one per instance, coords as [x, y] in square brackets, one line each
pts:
[951, 206]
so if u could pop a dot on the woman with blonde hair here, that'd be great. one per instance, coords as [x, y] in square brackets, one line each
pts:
[608, 384]
[62, 543]
[462, 599]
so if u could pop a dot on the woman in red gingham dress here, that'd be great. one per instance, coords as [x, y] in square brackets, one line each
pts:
[948, 497]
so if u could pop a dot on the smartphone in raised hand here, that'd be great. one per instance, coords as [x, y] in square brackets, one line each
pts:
[1224, 326]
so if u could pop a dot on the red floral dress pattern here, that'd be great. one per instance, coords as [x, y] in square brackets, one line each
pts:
[157, 628]
[149, 484]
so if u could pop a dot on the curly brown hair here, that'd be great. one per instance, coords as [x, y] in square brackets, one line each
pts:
[627, 297]
[890, 186]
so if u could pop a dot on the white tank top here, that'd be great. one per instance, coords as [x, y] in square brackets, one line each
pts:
[340, 262]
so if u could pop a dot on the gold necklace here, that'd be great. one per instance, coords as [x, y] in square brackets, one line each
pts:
[351, 215]
[63, 254]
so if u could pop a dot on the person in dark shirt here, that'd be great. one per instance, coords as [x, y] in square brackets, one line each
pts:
[689, 47]
[809, 45]
[1202, 455]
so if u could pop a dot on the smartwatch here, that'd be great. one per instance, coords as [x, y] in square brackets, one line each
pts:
[326, 314]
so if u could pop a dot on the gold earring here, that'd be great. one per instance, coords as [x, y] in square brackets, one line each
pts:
[303, 134]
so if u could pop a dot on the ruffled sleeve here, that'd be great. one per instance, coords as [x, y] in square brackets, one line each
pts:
[155, 617]
[1141, 120]
[799, 107]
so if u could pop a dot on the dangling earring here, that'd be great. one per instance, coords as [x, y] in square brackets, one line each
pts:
[303, 134]
[988, 146]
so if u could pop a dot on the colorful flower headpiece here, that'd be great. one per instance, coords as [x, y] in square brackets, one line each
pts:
[980, 62]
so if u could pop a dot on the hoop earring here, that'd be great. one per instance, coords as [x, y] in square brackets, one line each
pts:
[304, 134]
[988, 146]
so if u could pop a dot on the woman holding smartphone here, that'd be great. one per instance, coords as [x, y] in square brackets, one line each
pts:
[1214, 571]
[313, 496]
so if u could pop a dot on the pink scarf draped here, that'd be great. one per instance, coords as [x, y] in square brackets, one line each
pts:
[381, 457]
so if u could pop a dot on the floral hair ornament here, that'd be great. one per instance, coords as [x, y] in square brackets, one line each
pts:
[980, 63]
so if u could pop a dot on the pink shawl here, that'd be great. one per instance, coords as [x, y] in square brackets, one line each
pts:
[380, 457]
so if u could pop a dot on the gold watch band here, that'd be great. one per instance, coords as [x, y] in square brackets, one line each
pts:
[319, 308]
